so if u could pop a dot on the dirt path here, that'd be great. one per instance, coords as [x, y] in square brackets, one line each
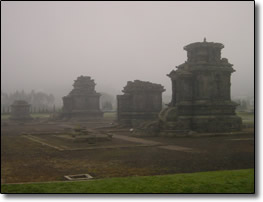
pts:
[155, 143]
[137, 140]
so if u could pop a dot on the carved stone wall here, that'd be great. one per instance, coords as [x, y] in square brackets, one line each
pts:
[83, 101]
[201, 92]
[141, 101]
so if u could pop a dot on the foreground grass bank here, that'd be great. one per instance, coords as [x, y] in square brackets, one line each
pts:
[236, 181]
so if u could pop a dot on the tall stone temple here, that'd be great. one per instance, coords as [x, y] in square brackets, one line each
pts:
[141, 101]
[83, 102]
[201, 99]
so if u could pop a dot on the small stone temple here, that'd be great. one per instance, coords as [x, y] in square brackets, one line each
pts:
[83, 102]
[201, 99]
[20, 110]
[141, 101]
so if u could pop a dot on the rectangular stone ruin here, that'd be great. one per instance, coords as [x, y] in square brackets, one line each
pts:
[141, 101]
[20, 111]
[90, 136]
[83, 102]
[78, 177]
[201, 99]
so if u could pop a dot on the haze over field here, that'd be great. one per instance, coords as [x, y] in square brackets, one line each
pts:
[47, 45]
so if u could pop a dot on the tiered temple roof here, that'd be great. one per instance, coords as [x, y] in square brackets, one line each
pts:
[83, 85]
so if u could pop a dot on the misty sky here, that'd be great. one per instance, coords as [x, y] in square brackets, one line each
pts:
[47, 45]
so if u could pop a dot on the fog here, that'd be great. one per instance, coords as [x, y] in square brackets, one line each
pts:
[47, 45]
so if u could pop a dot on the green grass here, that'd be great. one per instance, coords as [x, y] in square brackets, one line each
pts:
[110, 115]
[236, 181]
[36, 115]
[247, 117]
[4, 116]
[40, 115]
[46, 115]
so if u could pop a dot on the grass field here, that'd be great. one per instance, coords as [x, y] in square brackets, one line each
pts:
[110, 115]
[235, 181]
[36, 115]
[42, 115]
[247, 117]
[4, 116]
[46, 115]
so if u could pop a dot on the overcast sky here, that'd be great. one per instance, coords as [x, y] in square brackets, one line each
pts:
[47, 45]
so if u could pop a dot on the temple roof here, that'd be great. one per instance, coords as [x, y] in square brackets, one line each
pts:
[137, 86]
[83, 81]
[192, 46]
[83, 85]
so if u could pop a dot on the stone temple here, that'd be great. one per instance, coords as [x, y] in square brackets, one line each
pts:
[201, 99]
[83, 102]
[20, 110]
[141, 101]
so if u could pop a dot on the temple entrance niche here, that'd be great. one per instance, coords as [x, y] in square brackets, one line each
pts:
[201, 98]
[83, 101]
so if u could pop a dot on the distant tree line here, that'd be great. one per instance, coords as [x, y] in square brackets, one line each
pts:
[107, 102]
[244, 105]
[40, 102]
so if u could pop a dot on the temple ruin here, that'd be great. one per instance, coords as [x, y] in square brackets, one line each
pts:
[201, 99]
[83, 102]
[20, 111]
[141, 101]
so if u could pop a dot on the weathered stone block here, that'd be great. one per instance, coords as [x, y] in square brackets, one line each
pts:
[82, 103]
[201, 93]
[20, 110]
[141, 101]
